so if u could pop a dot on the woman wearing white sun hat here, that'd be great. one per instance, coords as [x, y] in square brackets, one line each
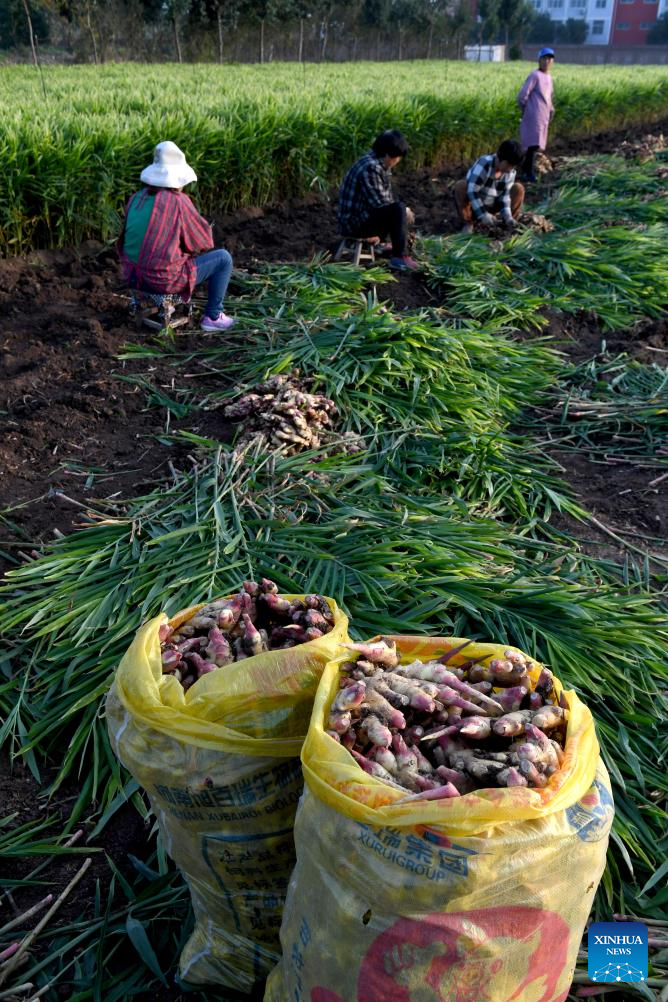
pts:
[166, 246]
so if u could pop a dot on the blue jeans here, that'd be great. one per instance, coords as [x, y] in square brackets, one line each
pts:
[216, 265]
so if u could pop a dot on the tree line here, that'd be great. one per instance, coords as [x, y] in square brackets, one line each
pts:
[265, 30]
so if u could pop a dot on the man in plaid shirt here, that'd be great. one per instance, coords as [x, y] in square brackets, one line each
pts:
[490, 189]
[367, 206]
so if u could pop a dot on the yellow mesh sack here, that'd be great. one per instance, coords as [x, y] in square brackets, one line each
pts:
[480, 898]
[220, 765]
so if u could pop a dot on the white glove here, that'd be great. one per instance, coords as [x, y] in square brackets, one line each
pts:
[487, 218]
[509, 223]
[410, 216]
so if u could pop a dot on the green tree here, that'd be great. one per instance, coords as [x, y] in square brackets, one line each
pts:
[17, 19]
[224, 14]
[658, 34]
[331, 13]
[515, 18]
[433, 14]
[508, 12]
[262, 12]
[541, 31]
[177, 13]
[490, 22]
[571, 32]
[301, 11]
[404, 15]
[459, 25]
[84, 13]
[376, 14]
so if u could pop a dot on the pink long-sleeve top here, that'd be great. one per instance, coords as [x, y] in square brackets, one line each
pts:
[535, 100]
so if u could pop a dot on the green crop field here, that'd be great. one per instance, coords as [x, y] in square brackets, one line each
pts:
[258, 133]
[455, 518]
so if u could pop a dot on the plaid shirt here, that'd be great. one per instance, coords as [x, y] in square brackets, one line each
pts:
[485, 191]
[365, 187]
[176, 233]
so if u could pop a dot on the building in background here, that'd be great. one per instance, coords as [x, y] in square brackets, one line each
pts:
[597, 13]
[609, 22]
[633, 19]
[485, 53]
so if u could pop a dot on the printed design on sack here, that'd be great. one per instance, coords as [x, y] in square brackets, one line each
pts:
[617, 951]
[252, 872]
[248, 796]
[417, 854]
[297, 956]
[463, 957]
[592, 815]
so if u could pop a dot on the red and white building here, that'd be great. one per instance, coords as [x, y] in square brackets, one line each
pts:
[633, 19]
[609, 22]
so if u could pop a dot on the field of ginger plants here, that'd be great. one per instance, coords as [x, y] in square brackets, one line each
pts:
[508, 408]
[73, 148]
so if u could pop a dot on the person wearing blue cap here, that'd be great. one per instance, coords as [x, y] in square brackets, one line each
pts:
[535, 100]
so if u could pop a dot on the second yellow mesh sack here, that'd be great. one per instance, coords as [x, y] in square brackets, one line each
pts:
[479, 898]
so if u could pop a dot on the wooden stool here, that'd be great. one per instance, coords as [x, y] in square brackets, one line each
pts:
[144, 305]
[357, 248]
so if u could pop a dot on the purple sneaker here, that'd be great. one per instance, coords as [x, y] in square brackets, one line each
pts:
[405, 263]
[221, 323]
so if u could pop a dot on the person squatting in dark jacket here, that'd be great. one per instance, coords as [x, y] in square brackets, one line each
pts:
[367, 205]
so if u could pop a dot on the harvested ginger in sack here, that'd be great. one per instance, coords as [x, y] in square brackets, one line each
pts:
[218, 758]
[478, 896]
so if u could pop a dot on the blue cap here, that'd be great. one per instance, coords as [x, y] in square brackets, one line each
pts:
[546, 52]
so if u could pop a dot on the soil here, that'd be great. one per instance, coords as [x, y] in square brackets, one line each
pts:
[618, 495]
[581, 338]
[23, 796]
[74, 428]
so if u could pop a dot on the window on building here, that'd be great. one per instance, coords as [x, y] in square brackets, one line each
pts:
[646, 25]
[597, 27]
[601, 4]
[650, 1]
[555, 4]
[623, 26]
